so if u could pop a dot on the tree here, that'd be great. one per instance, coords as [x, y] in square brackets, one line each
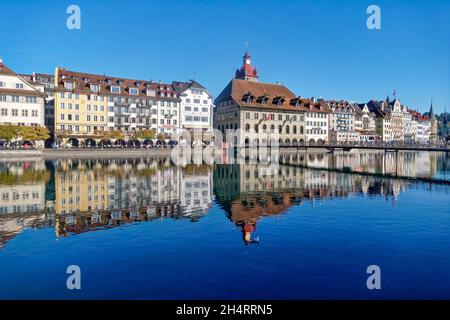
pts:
[161, 136]
[117, 134]
[144, 134]
[113, 135]
[42, 133]
[8, 132]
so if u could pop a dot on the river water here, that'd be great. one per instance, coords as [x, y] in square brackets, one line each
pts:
[142, 228]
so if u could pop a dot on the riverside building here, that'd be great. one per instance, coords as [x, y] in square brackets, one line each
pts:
[21, 103]
[262, 111]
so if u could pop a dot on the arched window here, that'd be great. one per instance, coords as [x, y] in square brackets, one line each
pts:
[256, 128]
[247, 127]
[287, 129]
[301, 129]
[294, 130]
[279, 129]
[272, 128]
[264, 128]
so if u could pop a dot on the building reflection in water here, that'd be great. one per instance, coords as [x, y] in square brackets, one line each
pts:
[76, 196]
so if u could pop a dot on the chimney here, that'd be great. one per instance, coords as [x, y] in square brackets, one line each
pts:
[313, 99]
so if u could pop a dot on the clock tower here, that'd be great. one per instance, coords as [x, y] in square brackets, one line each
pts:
[247, 72]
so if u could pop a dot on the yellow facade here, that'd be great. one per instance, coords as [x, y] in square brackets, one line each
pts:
[80, 190]
[80, 115]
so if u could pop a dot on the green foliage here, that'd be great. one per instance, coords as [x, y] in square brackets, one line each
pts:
[144, 134]
[29, 176]
[114, 135]
[10, 132]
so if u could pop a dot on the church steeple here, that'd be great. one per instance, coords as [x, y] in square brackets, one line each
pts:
[432, 116]
[247, 72]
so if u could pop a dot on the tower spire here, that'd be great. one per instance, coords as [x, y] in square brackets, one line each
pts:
[432, 116]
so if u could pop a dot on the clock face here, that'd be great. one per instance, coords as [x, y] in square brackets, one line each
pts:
[247, 61]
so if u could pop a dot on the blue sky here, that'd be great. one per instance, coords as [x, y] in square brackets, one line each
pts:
[316, 48]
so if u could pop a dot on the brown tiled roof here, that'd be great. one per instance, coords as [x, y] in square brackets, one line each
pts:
[82, 82]
[21, 92]
[251, 94]
[5, 70]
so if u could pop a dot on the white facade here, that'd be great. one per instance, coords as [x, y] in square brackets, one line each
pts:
[20, 103]
[22, 198]
[423, 131]
[196, 193]
[168, 114]
[409, 125]
[316, 127]
[196, 108]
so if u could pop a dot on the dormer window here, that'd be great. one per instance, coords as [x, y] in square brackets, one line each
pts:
[95, 87]
[151, 93]
[120, 82]
[134, 91]
[115, 89]
[248, 97]
[262, 99]
[138, 84]
[69, 85]
[278, 101]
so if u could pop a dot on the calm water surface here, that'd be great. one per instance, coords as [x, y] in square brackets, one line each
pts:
[144, 229]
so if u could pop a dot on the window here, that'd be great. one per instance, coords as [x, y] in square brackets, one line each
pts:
[62, 116]
[69, 106]
[205, 101]
[134, 91]
[24, 113]
[88, 107]
[188, 100]
[77, 117]
[62, 95]
[94, 87]
[19, 85]
[115, 89]
[15, 112]
[187, 108]
[196, 100]
[69, 117]
[77, 107]
[2, 84]
[34, 113]
[4, 112]
[68, 85]
[206, 110]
